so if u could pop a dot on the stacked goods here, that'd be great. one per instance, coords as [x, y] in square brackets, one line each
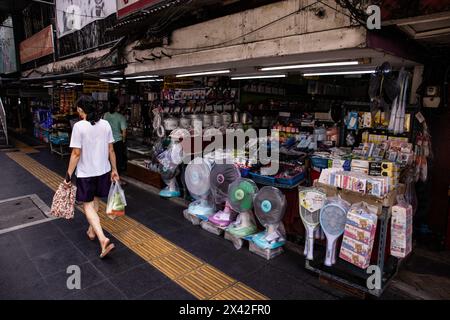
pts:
[359, 235]
[357, 182]
[401, 230]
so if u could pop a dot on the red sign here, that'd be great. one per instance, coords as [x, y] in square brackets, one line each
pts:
[127, 7]
[38, 45]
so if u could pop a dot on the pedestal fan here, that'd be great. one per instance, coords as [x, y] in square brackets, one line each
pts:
[240, 197]
[270, 206]
[311, 200]
[196, 177]
[222, 175]
[333, 216]
[169, 161]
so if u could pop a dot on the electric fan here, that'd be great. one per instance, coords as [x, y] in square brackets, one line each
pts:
[240, 196]
[222, 175]
[333, 217]
[196, 177]
[169, 170]
[270, 206]
[310, 202]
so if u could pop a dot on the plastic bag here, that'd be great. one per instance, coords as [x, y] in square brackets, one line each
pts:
[115, 207]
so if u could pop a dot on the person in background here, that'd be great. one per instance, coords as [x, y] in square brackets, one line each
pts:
[119, 128]
[95, 162]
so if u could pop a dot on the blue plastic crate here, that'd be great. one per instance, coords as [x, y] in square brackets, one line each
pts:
[291, 181]
[262, 179]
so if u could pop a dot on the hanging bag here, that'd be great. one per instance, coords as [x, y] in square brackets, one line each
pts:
[115, 207]
[63, 204]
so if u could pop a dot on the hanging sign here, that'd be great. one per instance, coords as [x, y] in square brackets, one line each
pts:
[90, 86]
[38, 45]
[73, 15]
[127, 7]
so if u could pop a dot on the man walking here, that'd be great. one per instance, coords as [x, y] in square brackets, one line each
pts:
[119, 128]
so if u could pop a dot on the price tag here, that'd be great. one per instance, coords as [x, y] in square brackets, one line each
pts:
[420, 117]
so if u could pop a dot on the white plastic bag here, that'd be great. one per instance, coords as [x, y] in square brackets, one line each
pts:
[117, 202]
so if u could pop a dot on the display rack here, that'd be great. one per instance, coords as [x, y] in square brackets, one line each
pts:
[347, 275]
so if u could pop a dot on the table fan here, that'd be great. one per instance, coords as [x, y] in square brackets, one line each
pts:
[311, 200]
[333, 216]
[169, 161]
[196, 177]
[222, 175]
[240, 197]
[270, 206]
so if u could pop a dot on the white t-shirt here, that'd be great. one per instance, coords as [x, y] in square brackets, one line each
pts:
[93, 140]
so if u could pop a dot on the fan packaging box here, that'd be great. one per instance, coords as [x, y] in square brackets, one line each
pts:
[359, 235]
[401, 230]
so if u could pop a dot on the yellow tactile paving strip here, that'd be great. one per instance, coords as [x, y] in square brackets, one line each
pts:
[197, 277]
[23, 147]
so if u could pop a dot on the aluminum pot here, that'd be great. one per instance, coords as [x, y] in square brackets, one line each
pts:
[265, 122]
[236, 117]
[226, 119]
[185, 122]
[246, 118]
[170, 123]
[216, 120]
[207, 120]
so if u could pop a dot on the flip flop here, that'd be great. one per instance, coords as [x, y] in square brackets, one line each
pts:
[107, 250]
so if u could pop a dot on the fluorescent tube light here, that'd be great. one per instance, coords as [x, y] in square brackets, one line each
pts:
[259, 77]
[150, 80]
[117, 79]
[141, 77]
[48, 86]
[311, 65]
[337, 73]
[109, 81]
[205, 73]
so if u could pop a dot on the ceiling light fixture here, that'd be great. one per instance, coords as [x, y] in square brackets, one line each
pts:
[312, 65]
[150, 80]
[141, 77]
[259, 77]
[338, 73]
[205, 73]
[109, 81]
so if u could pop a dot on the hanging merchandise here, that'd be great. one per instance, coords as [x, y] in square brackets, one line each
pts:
[332, 220]
[222, 175]
[197, 179]
[311, 200]
[158, 121]
[422, 153]
[270, 206]
[401, 229]
[240, 195]
[359, 234]
[169, 161]
[397, 118]
[383, 89]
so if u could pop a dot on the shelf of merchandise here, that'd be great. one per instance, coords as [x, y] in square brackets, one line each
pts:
[353, 278]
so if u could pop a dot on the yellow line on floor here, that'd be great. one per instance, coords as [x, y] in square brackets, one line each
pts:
[196, 276]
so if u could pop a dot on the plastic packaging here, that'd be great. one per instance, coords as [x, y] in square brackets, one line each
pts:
[115, 207]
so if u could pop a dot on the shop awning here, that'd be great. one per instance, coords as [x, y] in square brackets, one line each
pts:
[62, 76]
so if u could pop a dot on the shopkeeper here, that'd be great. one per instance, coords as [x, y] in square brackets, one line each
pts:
[119, 128]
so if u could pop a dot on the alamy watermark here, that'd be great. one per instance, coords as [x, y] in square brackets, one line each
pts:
[74, 280]
[375, 279]
[374, 17]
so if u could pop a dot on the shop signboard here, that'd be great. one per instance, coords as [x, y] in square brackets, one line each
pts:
[90, 86]
[7, 47]
[73, 15]
[38, 45]
[127, 7]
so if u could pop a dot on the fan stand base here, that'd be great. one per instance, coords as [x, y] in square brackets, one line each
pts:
[267, 254]
[208, 226]
[237, 242]
[195, 220]
[169, 194]
[203, 211]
